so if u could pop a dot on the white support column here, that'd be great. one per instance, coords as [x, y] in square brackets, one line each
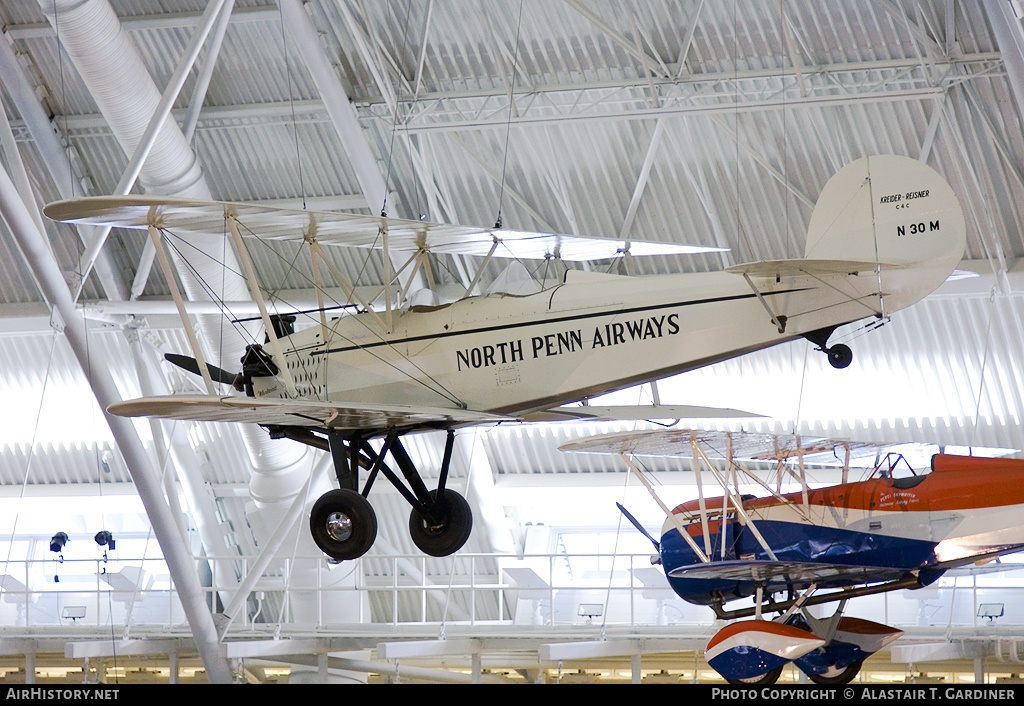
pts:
[50, 279]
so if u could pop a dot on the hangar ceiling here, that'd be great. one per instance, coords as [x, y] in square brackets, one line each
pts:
[712, 123]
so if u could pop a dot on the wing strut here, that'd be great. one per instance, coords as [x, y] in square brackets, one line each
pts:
[344, 281]
[779, 321]
[254, 290]
[736, 503]
[668, 513]
[700, 495]
[480, 269]
[165, 266]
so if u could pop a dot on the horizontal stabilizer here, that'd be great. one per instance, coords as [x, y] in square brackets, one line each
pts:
[815, 268]
[184, 216]
[301, 413]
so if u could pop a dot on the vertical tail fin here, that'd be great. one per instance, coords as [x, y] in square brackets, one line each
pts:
[890, 210]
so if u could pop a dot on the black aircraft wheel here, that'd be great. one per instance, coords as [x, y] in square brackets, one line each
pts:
[447, 536]
[837, 676]
[840, 356]
[766, 679]
[343, 524]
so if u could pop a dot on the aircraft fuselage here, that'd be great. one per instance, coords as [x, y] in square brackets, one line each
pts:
[965, 507]
[596, 333]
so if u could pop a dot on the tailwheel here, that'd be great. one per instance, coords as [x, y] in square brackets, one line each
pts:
[766, 679]
[836, 676]
[450, 528]
[343, 524]
[839, 356]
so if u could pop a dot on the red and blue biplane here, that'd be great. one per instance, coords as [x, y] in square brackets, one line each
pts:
[898, 529]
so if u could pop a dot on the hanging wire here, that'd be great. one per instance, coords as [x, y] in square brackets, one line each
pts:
[511, 105]
[88, 365]
[394, 117]
[984, 365]
[291, 103]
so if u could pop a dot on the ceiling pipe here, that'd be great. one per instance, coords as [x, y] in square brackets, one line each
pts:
[157, 119]
[48, 276]
[123, 89]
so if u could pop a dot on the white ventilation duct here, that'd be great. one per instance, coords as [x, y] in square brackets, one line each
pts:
[126, 95]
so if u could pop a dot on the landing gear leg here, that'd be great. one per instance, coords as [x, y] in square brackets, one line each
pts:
[441, 520]
[839, 356]
[343, 523]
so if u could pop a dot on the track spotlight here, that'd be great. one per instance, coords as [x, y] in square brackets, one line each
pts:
[104, 539]
[57, 542]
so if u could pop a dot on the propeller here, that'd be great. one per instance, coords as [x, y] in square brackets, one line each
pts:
[636, 523]
[255, 363]
[192, 365]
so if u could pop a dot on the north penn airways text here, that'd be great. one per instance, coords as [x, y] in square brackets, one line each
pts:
[567, 342]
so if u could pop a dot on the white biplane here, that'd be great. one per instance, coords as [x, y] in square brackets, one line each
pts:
[899, 528]
[885, 232]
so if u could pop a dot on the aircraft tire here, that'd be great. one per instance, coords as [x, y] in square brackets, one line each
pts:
[343, 524]
[840, 356]
[843, 676]
[453, 531]
[766, 679]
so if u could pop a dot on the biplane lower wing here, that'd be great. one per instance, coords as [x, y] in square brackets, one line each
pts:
[786, 573]
[332, 415]
[634, 413]
[300, 413]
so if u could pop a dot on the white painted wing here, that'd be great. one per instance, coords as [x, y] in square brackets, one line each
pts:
[634, 413]
[300, 413]
[347, 229]
[760, 447]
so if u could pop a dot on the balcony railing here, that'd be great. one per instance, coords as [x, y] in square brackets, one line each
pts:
[549, 590]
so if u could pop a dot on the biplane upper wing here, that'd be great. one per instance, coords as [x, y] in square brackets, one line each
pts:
[787, 572]
[302, 413]
[352, 230]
